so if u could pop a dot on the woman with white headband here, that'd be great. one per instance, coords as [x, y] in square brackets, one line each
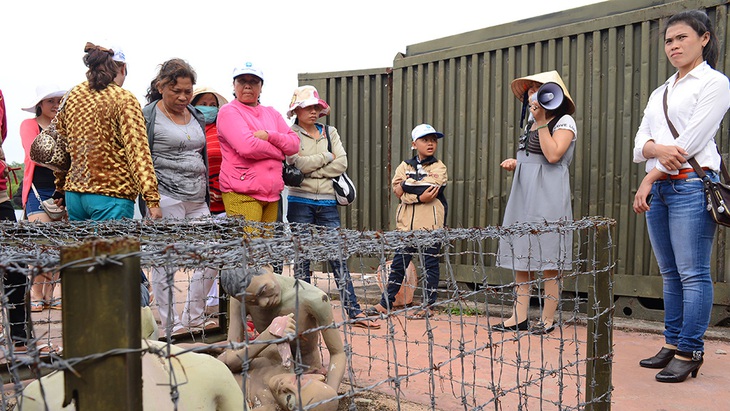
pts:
[107, 140]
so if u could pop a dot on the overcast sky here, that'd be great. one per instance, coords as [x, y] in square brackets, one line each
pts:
[43, 41]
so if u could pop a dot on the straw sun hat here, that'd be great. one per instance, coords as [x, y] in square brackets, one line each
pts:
[522, 84]
[198, 90]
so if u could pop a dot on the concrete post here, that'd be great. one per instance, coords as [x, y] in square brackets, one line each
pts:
[101, 312]
[600, 322]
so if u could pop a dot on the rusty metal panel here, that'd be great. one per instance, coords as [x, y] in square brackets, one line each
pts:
[611, 58]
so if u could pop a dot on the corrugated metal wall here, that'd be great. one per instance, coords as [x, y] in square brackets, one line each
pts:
[360, 104]
[610, 56]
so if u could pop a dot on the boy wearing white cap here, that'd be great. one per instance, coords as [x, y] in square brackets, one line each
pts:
[419, 183]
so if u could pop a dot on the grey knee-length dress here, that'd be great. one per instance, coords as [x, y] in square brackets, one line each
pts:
[540, 193]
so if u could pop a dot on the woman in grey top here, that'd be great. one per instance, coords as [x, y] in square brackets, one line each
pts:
[176, 133]
[540, 192]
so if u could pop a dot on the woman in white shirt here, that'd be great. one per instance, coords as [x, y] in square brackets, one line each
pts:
[681, 229]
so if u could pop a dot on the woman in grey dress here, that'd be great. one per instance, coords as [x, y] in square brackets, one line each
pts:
[540, 192]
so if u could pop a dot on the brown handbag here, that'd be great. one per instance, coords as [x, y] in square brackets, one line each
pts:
[49, 147]
[716, 193]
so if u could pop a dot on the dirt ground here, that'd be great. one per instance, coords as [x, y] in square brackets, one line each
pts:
[375, 401]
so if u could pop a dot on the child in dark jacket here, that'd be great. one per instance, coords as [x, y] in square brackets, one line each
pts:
[419, 183]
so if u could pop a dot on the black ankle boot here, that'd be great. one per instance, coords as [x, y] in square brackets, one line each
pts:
[501, 327]
[660, 360]
[678, 370]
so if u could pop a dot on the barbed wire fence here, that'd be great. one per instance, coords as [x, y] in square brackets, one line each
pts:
[452, 360]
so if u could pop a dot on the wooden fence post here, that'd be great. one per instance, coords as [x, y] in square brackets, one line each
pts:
[600, 321]
[101, 312]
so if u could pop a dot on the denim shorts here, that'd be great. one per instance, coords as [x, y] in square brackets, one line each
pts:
[32, 205]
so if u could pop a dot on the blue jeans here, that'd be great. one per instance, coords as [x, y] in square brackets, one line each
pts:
[326, 216]
[398, 273]
[681, 231]
[97, 207]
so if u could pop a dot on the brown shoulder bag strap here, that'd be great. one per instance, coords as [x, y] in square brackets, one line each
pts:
[700, 172]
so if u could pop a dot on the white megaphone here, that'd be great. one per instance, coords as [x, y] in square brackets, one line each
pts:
[550, 96]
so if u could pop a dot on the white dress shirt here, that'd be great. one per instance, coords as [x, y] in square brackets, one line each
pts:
[696, 105]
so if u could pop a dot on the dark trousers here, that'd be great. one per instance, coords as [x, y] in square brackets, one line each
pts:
[14, 286]
[6, 211]
[398, 273]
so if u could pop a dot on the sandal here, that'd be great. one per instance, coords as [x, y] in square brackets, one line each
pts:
[362, 321]
[207, 326]
[55, 305]
[422, 314]
[375, 311]
[36, 306]
[20, 349]
[46, 349]
[43, 349]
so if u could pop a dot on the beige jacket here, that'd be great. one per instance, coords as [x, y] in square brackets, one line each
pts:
[412, 214]
[318, 165]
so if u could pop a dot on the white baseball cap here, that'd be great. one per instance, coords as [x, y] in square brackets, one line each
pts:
[248, 68]
[422, 130]
[118, 54]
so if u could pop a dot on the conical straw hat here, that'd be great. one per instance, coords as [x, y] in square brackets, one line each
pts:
[522, 84]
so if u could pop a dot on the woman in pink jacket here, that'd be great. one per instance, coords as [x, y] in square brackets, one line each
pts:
[254, 141]
[39, 186]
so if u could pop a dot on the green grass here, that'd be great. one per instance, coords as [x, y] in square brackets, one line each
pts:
[463, 310]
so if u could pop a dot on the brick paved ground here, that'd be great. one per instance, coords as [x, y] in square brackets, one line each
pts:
[634, 387]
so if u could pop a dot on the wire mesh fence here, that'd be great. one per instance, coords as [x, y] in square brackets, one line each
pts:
[451, 358]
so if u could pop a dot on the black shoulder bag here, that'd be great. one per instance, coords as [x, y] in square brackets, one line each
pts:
[717, 194]
[292, 176]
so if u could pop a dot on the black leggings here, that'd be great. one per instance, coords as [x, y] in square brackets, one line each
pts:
[15, 284]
